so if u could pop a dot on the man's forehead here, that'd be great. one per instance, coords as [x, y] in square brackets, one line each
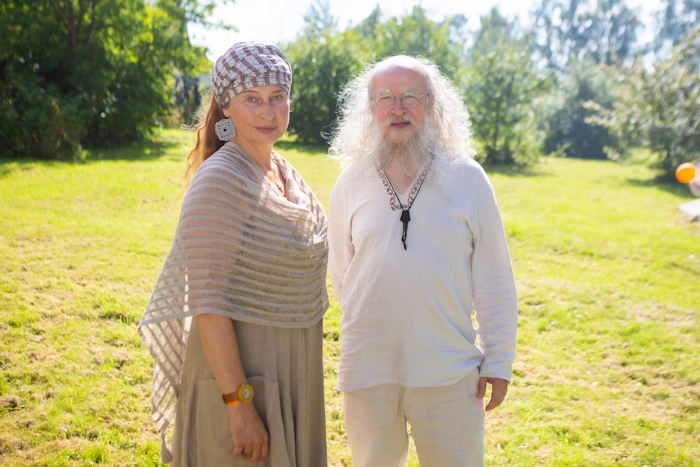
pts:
[391, 75]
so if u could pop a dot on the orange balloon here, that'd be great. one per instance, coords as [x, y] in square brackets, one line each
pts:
[685, 172]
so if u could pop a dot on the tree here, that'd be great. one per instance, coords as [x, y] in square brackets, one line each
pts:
[565, 114]
[90, 71]
[416, 34]
[676, 20]
[661, 106]
[575, 30]
[502, 82]
[319, 19]
[574, 39]
[323, 61]
[368, 27]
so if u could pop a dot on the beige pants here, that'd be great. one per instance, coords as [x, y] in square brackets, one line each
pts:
[447, 424]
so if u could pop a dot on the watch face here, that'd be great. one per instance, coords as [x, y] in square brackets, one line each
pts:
[246, 393]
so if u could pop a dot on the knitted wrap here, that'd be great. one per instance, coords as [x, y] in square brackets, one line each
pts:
[241, 250]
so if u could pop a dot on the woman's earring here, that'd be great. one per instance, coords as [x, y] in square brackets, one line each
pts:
[224, 129]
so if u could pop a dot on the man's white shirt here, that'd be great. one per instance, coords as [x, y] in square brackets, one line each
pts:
[407, 314]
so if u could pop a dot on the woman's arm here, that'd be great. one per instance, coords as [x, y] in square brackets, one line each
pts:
[220, 347]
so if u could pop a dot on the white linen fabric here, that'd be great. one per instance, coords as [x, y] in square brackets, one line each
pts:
[241, 250]
[407, 314]
[447, 424]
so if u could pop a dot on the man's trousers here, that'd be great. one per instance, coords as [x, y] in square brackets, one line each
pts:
[447, 424]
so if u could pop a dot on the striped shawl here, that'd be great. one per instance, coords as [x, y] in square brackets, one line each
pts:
[241, 250]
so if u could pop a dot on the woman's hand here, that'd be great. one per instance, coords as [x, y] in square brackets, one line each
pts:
[250, 438]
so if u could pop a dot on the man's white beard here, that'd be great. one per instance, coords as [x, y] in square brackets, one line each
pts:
[410, 154]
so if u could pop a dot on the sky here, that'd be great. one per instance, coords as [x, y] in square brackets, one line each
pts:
[275, 21]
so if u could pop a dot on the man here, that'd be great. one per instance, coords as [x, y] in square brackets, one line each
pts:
[416, 247]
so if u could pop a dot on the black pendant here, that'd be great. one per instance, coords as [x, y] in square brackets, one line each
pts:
[405, 218]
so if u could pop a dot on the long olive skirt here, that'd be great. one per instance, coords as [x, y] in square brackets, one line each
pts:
[285, 367]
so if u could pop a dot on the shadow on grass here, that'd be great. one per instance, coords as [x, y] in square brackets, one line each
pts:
[671, 187]
[10, 166]
[320, 149]
[534, 170]
[314, 149]
[146, 149]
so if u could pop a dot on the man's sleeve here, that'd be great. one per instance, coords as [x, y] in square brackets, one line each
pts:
[494, 296]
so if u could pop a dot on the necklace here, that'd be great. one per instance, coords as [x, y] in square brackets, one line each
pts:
[395, 201]
[279, 184]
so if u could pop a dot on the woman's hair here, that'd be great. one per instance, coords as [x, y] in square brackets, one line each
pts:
[356, 125]
[206, 143]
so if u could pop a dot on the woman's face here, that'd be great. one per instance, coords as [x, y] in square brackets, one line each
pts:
[260, 114]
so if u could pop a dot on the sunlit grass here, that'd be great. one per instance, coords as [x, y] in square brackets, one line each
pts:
[607, 271]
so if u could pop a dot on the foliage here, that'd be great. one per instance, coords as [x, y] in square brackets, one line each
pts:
[575, 37]
[676, 20]
[322, 65]
[565, 114]
[319, 19]
[501, 84]
[418, 35]
[661, 106]
[324, 59]
[89, 71]
[608, 307]
[574, 30]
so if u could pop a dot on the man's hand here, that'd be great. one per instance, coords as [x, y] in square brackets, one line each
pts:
[250, 438]
[499, 388]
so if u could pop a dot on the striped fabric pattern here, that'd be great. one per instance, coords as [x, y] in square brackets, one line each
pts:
[247, 65]
[241, 250]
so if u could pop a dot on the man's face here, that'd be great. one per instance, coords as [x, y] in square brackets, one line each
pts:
[399, 97]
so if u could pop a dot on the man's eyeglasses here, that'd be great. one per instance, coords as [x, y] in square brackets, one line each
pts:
[408, 99]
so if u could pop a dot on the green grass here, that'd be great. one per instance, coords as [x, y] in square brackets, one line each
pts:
[608, 276]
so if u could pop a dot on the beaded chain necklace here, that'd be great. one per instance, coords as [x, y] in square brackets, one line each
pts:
[395, 201]
[280, 185]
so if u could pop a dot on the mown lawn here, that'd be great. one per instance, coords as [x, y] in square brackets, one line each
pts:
[608, 275]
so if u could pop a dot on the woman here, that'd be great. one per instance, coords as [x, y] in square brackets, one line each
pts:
[234, 323]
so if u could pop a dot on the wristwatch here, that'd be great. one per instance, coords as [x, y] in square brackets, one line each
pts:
[244, 393]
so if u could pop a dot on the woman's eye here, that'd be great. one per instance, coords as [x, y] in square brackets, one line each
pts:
[252, 99]
[279, 98]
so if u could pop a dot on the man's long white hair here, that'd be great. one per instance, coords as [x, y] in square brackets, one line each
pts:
[356, 135]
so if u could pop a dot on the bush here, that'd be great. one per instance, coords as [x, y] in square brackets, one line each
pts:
[97, 73]
[566, 117]
[660, 107]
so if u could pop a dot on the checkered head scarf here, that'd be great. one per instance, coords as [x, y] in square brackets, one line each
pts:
[247, 65]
